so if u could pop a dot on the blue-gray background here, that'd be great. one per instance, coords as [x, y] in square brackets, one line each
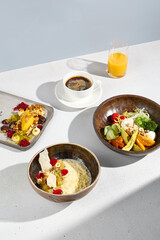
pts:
[38, 31]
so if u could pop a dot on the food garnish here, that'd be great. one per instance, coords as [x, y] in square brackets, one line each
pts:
[16, 137]
[4, 129]
[21, 105]
[36, 131]
[24, 143]
[10, 133]
[40, 127]
[57, 191]
[40, 175]
[53, 161]
[64, 172]
[131, 130]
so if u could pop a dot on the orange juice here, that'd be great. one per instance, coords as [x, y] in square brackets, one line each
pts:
[117, 64]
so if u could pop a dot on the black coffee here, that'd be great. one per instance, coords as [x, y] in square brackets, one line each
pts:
[78, 83]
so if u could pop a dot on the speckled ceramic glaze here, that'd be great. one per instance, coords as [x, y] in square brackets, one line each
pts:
[120, 104]
[64, 151]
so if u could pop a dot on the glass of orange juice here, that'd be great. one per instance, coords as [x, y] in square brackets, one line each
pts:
[118, 59]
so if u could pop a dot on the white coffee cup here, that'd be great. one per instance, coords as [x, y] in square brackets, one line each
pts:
[75, 95]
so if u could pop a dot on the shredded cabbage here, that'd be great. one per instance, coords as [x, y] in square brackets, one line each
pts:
[137, 113]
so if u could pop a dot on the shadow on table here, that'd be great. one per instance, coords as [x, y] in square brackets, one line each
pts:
[136, 216]
[81, 131]
[92, 67]
[10, 148]
[19, 202]
[46, 93]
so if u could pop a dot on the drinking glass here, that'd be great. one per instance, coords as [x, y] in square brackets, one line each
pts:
[118, 59]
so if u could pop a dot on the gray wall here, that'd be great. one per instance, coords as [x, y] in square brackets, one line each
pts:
[38, 31]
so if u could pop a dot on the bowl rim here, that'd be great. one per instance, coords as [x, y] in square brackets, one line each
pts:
[113, 148]
[71, 194]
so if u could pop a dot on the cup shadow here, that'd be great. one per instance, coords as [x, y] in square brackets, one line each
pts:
[19, 202]
[87, 137]
[92, 67]
[46, 93]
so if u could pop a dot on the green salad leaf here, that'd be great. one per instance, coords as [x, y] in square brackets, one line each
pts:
[146, 123]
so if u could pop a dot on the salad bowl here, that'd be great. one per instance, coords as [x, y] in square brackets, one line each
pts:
[120, 104]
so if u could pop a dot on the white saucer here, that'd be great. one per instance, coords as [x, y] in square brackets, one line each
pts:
[86, 102]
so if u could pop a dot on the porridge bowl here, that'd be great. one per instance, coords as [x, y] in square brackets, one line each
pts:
[63, 172]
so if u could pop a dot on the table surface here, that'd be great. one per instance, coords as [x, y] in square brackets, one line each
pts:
[125, 203]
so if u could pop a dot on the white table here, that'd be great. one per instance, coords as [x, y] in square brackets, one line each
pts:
[125, 204]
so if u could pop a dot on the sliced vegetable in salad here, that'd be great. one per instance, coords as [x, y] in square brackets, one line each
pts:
[131, 130]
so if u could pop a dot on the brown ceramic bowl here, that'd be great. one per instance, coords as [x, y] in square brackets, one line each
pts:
[64, 151]
[120, 104]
